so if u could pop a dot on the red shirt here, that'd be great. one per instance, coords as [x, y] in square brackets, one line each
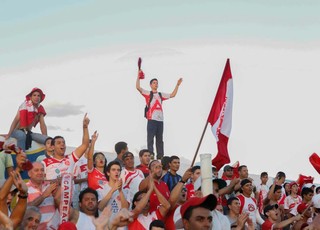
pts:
[144, 169]
[164, 190]
[142, 222]
[267, 225]
[169, 219]
[190, 190]
[96, 179]
[29, 114]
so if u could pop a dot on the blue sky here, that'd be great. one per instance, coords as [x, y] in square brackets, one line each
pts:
[32, 30]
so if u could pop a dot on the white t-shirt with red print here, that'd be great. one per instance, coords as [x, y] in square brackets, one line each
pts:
[54, 168]
[81, 171]
[155, 111]
[131, 181]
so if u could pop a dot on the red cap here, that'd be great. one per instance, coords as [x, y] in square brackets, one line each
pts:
[293, 183]
[67, 226]
[301, 207]
[209, 202]
[28, 96]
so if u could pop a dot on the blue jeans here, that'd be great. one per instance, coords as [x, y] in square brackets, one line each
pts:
[21, 138]
[155, 129]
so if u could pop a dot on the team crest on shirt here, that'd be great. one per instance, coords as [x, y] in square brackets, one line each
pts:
[57, 171]
[251, 207]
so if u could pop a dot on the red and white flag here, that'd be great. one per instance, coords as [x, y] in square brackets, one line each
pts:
[220, 117]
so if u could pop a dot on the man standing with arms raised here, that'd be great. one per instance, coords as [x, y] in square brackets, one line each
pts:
[154, 112]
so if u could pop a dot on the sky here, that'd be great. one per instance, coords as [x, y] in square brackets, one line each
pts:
[83, 55]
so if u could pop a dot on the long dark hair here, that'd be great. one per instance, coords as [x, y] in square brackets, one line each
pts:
[105, 162]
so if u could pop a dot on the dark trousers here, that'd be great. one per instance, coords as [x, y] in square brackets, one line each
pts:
[155, 129]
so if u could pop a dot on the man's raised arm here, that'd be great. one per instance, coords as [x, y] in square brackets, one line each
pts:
[85, 138]
[174, 92]
[138, 87]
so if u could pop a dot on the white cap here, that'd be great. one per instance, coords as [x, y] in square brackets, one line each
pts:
[308, 185]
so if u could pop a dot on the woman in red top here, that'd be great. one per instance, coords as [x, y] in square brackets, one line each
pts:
[97, 165]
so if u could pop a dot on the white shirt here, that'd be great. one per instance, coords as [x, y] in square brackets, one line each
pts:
[54, 168]
[81, 171]
[220, 221]
[131, 181]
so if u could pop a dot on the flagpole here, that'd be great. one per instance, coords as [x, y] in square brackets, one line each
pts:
[195, 155]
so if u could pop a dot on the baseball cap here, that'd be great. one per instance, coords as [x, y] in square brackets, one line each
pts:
[293, 183]
[126, 154]
[209, 202]
[67, 226]
[301, 207]
[245, 181]
[270, 207]
[227, 167]
[316, 201]
[221, 183]
[308, 185]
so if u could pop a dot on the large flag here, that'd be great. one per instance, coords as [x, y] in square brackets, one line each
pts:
[220, 117]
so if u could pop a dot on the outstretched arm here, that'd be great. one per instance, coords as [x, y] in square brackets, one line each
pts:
[43, 126]
[230, 188]
[85, 138]
[14, 124]
[174, 92]
[21, 159]
[143, 202]
[94, 138]
[176, 191]
[20, 209]
[144, 184]
[138, 87]
[165, 205]
[6, 221]
[285, 223]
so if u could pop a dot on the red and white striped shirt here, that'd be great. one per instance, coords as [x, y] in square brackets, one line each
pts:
[47, 207]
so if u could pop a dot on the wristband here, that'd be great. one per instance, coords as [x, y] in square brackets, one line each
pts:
[25, 196]
[183, 182]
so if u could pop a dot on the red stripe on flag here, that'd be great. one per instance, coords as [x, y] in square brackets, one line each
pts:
[220, 117]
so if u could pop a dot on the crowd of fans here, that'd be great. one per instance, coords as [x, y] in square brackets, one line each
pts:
[122, 195]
